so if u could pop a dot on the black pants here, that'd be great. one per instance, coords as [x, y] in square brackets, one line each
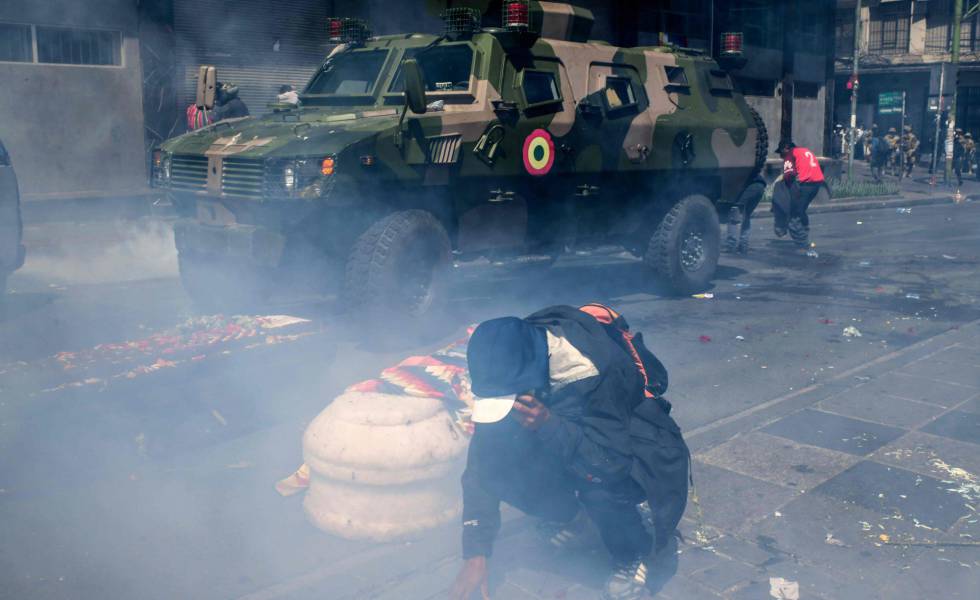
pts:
[740, 217]
[538, 485]
[791, 213]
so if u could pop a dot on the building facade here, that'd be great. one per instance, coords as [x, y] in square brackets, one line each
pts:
[71, 108]
[902, 47]
[90, 86]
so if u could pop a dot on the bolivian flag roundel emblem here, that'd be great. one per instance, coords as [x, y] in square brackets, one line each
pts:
[539, 152]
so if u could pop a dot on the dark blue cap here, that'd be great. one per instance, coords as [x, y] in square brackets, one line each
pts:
[507, 356]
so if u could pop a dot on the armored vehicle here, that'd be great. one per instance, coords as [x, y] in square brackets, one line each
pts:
[409, 152]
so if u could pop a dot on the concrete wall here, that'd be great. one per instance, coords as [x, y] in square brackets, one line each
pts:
[75, 131]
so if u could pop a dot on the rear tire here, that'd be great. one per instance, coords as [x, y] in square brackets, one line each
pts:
[217, 284]
[684, 248]
[398, 268]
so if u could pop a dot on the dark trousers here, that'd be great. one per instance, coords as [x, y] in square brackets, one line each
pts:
[791, 214]
[740, 217]
[538, 485]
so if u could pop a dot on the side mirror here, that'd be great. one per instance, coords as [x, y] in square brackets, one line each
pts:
[414, 86]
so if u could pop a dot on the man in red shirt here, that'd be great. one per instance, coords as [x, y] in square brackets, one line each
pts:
[804, 178]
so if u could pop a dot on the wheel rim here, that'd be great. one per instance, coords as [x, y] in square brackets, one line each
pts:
[692, 254]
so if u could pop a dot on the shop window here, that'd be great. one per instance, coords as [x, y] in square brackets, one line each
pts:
[63, 46]
[806, 89]
[749, 86]
[889, 29]
[16, 43]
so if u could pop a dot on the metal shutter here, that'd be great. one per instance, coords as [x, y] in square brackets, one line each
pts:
[238, 38]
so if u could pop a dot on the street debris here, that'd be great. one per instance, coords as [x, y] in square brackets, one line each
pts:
[859, 222]
[704, 339]
[743, 285]
[826, 321]
[219, 417]
[913, 297]
[852, 331]
[832, 541]
[903, 211]
[784, 589]
[706, 296]
[948, 257]
[812, 254]
[740, 338]
[864, 263]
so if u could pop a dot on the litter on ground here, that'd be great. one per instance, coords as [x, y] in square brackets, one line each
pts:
[852, 331]
[784, 589]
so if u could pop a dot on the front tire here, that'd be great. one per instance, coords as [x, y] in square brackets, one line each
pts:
[399, 267]
[684, 248]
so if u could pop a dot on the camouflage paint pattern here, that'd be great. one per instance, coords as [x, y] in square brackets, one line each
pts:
[615, 163]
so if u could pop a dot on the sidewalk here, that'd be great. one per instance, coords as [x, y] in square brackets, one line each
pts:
[913, 191]
[862, 487]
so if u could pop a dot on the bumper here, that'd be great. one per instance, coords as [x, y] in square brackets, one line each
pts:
[258, 245]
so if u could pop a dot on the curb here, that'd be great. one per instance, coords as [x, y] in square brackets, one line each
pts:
[842, 205]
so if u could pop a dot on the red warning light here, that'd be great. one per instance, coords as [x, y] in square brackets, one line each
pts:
[336, 29]
[516, 14]
[731, 43]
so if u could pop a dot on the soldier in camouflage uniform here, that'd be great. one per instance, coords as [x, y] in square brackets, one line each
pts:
[969, 153]
[910, 150]
[892, 139]
[502, 141]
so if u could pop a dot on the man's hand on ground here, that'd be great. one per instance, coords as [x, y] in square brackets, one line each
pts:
[471, 576]
[530, 413]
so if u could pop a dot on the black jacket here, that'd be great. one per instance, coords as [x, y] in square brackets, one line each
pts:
[602, 430]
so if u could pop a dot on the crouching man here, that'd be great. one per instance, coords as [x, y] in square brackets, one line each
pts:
[569, 431]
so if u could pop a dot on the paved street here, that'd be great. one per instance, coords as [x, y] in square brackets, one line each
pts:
[846, 464]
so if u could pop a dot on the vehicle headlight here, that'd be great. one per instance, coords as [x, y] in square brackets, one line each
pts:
[289, 178]
[161, 167]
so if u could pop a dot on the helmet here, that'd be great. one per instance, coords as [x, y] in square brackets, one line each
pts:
[892, 130]
[908, 128]
[969, 135]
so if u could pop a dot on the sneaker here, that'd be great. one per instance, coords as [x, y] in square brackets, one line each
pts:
[742, 248]
[780, 232]
[570, 535]
[627, 582]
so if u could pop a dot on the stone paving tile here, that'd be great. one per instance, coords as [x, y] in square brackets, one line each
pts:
[726, 575]
[778, 460]
[923, 389]
[889, 490]
[833, 432]
[746, 552]
[693, 558]
[970, 406]
[830, 584]
[926, 454]
[959, 425]
[952, 573]
[880, 408]
[732, 501]
[945, 372]
[802, 532]
[682, 588]
[960, 354]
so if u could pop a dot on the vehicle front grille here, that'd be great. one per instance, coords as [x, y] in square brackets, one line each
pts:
[189, 172]
[243, 177]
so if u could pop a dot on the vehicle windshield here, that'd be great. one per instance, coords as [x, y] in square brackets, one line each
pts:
[349, 74]
[446, 68]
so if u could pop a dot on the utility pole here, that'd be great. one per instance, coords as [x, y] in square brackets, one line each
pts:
[852, 142]
[939, 120]
[954, 66]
